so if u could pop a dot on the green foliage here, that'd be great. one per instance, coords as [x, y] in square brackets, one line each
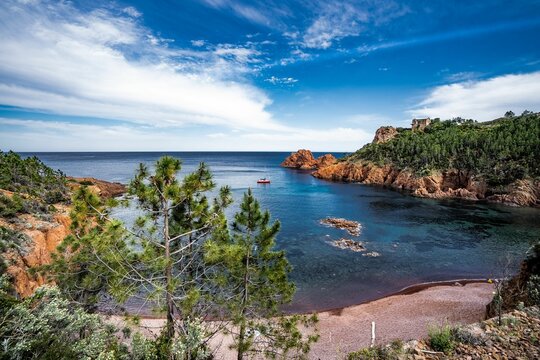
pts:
[11, 240]
[256, 278]
[501, 151]
[389, 352]
[533, 289]
[442, 339]
[46, 326]
[10, 206]
[31, 177]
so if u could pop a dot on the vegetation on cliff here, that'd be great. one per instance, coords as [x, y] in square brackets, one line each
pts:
[500, 151]
[31, 178]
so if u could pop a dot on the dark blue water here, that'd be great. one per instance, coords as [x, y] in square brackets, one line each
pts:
[419, 239]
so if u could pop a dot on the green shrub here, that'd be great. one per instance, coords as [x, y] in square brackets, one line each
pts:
[9, 207]
[442, 339]
[388, 352]
[86, 182]
[533, 289]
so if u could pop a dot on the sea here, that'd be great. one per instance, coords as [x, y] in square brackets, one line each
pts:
[418, 240]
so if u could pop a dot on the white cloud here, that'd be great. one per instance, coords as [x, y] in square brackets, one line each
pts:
[198, 43]
[281, 81]
[57, 59]
[482, 100]
[337, 21]
[39, 135]
[131, 11]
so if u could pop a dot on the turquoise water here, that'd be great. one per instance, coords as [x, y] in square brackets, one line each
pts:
[419, 239]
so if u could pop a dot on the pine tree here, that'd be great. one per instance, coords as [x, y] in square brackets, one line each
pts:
[159, 258]
[257, 279]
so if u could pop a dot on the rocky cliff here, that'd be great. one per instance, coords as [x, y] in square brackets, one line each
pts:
[303, 159]
[452, 183]
[384, 134]
[41, 234]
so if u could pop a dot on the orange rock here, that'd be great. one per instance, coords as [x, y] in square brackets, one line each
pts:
[303, 159]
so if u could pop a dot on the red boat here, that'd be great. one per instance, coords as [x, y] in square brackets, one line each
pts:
[263, 181]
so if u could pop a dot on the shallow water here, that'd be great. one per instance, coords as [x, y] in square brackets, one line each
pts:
[419, 239]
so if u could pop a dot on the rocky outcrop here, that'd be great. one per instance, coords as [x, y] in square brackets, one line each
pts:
[384, 134]
[43, 238]
[352, 227]
[43, 233]
[349, 244]
[103, 188]
[304, 160]
[452, 183]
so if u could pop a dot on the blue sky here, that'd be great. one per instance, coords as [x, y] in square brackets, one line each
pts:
[255, 75]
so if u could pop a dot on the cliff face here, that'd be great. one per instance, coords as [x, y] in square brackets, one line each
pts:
[43, 238]
[303, 159]
[43, 233]
[448, 184]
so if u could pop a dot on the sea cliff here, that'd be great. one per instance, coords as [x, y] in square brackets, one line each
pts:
[495, 161]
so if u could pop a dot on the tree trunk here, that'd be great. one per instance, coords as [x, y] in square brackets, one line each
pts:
[168, 275]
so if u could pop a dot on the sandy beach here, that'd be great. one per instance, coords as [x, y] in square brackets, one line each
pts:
[404, 316]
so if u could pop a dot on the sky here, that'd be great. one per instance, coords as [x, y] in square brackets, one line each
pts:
[234, 75]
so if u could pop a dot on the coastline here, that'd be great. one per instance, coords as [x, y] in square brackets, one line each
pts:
[408, 290]
[405, 316]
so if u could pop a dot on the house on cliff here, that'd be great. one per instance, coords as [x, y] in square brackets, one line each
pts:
[420, 124]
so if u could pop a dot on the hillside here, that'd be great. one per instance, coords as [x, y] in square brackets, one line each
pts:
[495, 161]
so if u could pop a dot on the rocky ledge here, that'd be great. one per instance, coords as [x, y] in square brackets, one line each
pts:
[103, 188]
[352, 227]
[452, 183]
[304, 160]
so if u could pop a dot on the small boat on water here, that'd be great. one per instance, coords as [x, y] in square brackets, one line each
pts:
[263, 181]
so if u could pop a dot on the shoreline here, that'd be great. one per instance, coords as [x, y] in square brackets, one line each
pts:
[408, 290]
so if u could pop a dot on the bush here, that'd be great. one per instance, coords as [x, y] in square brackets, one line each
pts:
[442, 339]
[9, 207]
[533, 289]
[388, 352]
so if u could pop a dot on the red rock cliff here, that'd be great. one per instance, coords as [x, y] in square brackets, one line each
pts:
[303, 159]
[452, 183]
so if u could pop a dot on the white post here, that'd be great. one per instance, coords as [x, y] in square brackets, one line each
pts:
[372, 333]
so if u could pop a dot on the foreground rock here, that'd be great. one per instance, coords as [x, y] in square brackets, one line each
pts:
[41, 237]
[515, 338]
[352, 227]
[303, 159]
[452, 183]
[348, 244]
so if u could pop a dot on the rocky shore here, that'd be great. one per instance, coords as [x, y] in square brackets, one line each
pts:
[452, 183]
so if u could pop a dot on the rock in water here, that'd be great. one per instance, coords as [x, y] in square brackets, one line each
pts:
[348, 244]
[303, 159]
[352, 227]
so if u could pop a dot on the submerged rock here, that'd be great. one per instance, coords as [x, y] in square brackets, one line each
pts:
[372, 254]
[348, 244]
[352, 227]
